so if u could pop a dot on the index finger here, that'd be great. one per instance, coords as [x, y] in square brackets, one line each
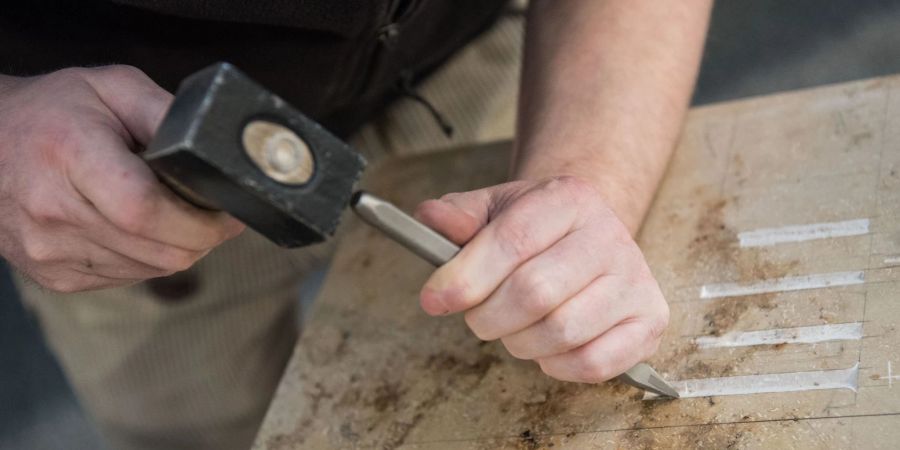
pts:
[136, 100]
[531, 224]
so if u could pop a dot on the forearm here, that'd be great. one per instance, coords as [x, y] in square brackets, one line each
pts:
[604, 91]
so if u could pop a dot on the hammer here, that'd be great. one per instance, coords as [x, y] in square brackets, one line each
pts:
[227, 143]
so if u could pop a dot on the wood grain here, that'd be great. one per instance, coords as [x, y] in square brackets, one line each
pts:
[373, 371]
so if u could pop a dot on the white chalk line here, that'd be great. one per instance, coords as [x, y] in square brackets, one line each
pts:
[793, 283]
[797, 335]
[799, 233]
[766, 383]
[892, 260]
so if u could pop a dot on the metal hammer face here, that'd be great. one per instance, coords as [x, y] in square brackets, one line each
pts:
[228, 143]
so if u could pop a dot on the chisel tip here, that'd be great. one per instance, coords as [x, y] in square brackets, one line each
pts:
[644, 377]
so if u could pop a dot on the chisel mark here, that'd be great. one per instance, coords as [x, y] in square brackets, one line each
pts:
[767, 383]
[798, 335]
[794, 283]
[799, 233]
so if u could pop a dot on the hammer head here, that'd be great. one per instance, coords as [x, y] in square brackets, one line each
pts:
[228, 143]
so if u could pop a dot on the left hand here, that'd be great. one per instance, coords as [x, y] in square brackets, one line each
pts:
[550, 270]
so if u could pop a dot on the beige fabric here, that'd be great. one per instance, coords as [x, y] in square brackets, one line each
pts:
[199, 373]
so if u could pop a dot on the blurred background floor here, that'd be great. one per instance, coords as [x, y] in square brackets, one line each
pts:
[755, 47]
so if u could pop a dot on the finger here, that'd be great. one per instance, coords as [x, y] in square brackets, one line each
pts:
[136, 100]
[125, 191]
[70, 246]
[544, 282]
[607, 356]
[90, 226]
[458, 216]
[105, 263]
[522, 230]
[165, 257]
[63, 279]
[599, 307]
[162, 257]
[91, 282]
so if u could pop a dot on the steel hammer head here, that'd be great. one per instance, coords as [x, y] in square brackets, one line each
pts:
[228, 143]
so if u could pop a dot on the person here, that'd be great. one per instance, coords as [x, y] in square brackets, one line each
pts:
[174, 333]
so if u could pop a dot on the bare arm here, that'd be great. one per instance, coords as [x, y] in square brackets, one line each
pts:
[605, 87]
[549, 265]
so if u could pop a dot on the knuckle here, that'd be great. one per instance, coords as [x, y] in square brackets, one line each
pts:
[44, 215]
[562, 331]
[516, 349]
[460, 297]
[426, 210]
[211, 237]
[478, 327]
[129, 219]
[63, 285]
[620, 238]
[179, 266]
[216, 233]
[56, 133]
[135, 215]
[42, 211]
[236, 229]
[180, 260]
[122, 72]
[164, 273]
[37, 249]
[537, 293]
[455, 197]
[641, 274]
[594, 370]
[222, 232]
[548, 371]
[69, 74]
[515, 239]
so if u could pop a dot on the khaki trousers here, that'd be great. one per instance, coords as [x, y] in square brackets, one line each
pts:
[156, 371]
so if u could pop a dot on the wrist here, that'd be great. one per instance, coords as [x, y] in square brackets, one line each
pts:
[627, 191]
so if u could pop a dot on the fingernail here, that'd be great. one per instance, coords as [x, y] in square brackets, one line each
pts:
[432, 302]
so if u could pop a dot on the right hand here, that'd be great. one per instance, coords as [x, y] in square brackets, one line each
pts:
[80, 210]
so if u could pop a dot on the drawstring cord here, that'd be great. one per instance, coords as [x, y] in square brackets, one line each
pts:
[407, 90]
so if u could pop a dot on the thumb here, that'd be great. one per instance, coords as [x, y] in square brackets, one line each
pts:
[459, 216]
[136, 100]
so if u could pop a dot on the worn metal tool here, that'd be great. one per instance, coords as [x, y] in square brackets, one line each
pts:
[229, 144]
[437, 250]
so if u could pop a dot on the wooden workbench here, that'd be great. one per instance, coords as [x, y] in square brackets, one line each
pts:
[372, 370]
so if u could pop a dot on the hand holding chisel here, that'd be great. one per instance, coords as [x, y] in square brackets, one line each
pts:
[437, 250]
